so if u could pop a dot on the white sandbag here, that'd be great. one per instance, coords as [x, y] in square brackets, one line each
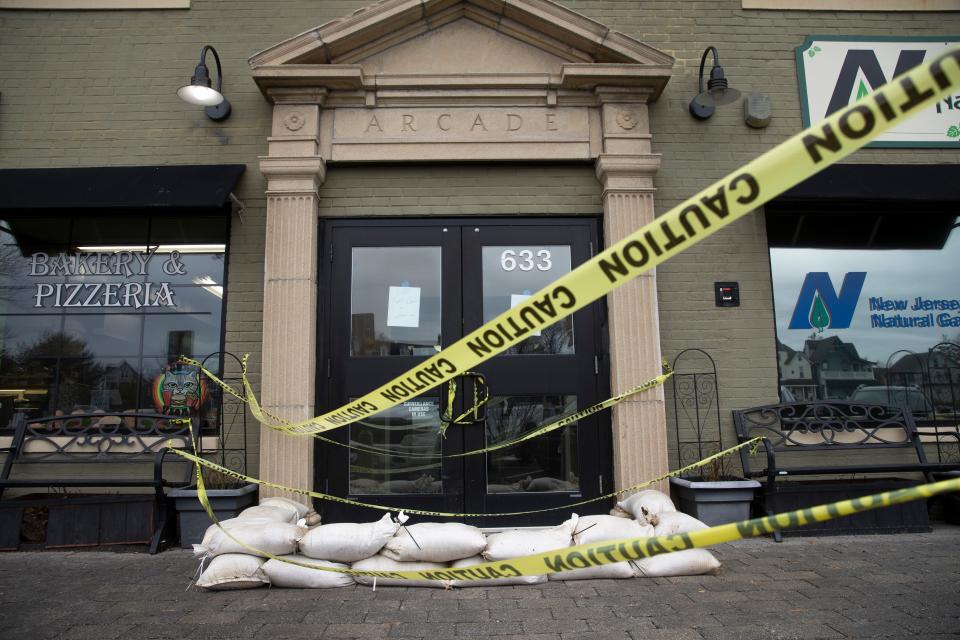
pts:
[614, 571]
[601, 528]
[514, 544]
[690, 562]
[676, 522]
[652, 501]
[229, 522]
[233, 571]
[274, 538]
[284, 574]
[267, 512]
[465, 565]
[286, 503]
[348, 541]
[435, 542]
[384, 564]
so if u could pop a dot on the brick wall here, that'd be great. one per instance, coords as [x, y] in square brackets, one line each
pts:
[97, 88]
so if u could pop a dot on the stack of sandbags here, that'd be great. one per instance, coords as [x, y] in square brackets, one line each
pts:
[517, 543]
[426, 547]
[271, 528]
[657, 509]
[347, 541]
[288, 574]
[591, 529]
[434, 542]
[384, 565]
[460, 569]
[233, 571]
[446, 551]
[643, 505]
[523, 542]
[283, 510]
[247, 535]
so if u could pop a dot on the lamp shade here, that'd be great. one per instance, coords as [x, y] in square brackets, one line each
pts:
[200, 91]
[718, 91]
[200, 95]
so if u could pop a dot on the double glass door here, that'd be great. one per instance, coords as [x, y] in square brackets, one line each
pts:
[396, 293]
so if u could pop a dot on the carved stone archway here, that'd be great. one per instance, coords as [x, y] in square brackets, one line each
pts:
[454, 81]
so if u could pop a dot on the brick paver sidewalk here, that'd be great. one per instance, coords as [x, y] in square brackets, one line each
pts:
[905, 586]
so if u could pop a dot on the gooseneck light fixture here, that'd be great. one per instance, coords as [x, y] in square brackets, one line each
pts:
[199, 91]
[718, 90]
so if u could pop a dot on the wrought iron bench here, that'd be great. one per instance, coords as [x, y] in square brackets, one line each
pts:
[98, 450]
[828, 438]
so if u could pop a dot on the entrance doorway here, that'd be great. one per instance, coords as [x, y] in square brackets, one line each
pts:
[394, 293]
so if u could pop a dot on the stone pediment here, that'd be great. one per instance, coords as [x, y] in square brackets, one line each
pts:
[460, 44]
[468, 48]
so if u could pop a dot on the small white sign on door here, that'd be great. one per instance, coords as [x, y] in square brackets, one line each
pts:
[517, 298]
[403, 307]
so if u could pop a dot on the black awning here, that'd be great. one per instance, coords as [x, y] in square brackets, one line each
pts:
[177, 187]
[904, 183]
[868, 206]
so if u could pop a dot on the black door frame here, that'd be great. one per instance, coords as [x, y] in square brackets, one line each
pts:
[326, 388]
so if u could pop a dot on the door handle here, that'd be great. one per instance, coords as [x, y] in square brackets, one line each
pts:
[477, 412]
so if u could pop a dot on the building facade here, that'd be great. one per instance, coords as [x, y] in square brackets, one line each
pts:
[405, 171]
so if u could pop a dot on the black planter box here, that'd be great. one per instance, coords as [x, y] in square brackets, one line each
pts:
[910, 517]
[83, 520]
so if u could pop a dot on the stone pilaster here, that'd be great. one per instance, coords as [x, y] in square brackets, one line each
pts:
[639, 423]
[290, 293]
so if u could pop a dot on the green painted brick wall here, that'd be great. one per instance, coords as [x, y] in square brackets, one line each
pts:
[97, 88]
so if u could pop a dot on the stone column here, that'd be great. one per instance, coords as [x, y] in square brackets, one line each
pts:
[294, 174]
[626, 169]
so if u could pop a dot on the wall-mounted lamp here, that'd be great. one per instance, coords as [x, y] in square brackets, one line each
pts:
[200, 93]
[717, 93]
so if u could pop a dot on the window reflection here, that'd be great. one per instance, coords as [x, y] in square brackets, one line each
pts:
[546, 463]
[511, 274]
[86, 323]
[395, 301]
[411, 429]
[868, 325]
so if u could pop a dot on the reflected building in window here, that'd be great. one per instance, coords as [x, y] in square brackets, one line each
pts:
[796, 374]
[837, 368]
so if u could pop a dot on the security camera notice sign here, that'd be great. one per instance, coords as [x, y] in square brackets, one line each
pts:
[835, 71]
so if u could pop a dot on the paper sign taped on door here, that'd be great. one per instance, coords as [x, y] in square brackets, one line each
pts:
[403, 307]
[517, 298]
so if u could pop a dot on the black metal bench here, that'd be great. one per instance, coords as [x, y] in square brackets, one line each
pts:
[830, 438]
[90, 445]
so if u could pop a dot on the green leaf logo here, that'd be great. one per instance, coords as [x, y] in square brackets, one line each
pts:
[814, 50]
[953, 132]
[862, 90]
[819, 316]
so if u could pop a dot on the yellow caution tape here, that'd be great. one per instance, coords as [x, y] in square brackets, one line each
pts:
[717, 206]
[554, 424]
[753, 444]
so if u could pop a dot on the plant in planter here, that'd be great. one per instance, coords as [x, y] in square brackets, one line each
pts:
[716, 493]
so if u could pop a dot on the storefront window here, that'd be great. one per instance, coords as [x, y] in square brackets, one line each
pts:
[95, 313]
[868, 308]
